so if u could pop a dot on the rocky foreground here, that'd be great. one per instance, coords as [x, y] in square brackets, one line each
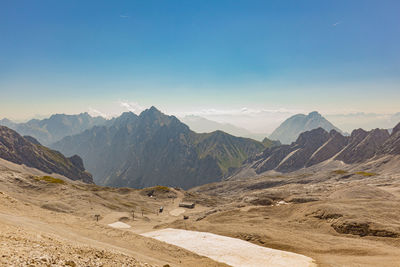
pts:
[21, 248]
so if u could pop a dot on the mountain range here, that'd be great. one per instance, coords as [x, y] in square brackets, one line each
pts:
[292, 127]
[28, 151]
[56, 127]
[156, 149]
[318, 145]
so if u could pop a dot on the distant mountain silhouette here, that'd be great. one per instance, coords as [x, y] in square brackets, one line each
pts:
[156, 149]
[56, 127]
[316, 146]
[203, 125]
[20, 150]
[291, 128]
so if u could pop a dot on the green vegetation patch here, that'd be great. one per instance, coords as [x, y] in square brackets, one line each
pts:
[339, 172]
[161, 188]
[50, 179]
[366, 174]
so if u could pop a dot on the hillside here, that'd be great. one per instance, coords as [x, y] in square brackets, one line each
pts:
[20, 150]
[156, 149]
[56, 127]
[291, 128]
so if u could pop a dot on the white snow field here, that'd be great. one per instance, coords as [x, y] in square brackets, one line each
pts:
[232, 251]
[119, 225]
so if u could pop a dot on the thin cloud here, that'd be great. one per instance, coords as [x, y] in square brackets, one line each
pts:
[94, 112]
[336, 23]
[124, 16]
[132, 106]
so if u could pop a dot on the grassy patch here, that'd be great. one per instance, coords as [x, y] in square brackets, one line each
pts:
[339, 172]
[161, 188]
[50, 179]
[366, 174]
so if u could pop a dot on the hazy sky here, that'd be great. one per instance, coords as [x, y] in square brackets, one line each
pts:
[185, 57]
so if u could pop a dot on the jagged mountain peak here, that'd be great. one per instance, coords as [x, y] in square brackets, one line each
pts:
[153, 117]
[311, 135]
[152, 111]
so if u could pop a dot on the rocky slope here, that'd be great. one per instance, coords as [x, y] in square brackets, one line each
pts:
[316, 146]
[392, 144]
[362, 145]
[156, 149]
[56, 127]
[20, 150]
[291, 128]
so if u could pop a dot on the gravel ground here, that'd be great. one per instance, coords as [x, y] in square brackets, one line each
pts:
[20, 248]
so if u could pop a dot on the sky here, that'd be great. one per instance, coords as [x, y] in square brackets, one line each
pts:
[236, 58]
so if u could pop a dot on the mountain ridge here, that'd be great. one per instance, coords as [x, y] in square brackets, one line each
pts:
[156, 149]
[317, 146]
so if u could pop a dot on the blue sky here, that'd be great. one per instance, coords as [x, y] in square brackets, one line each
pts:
[186, 56]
